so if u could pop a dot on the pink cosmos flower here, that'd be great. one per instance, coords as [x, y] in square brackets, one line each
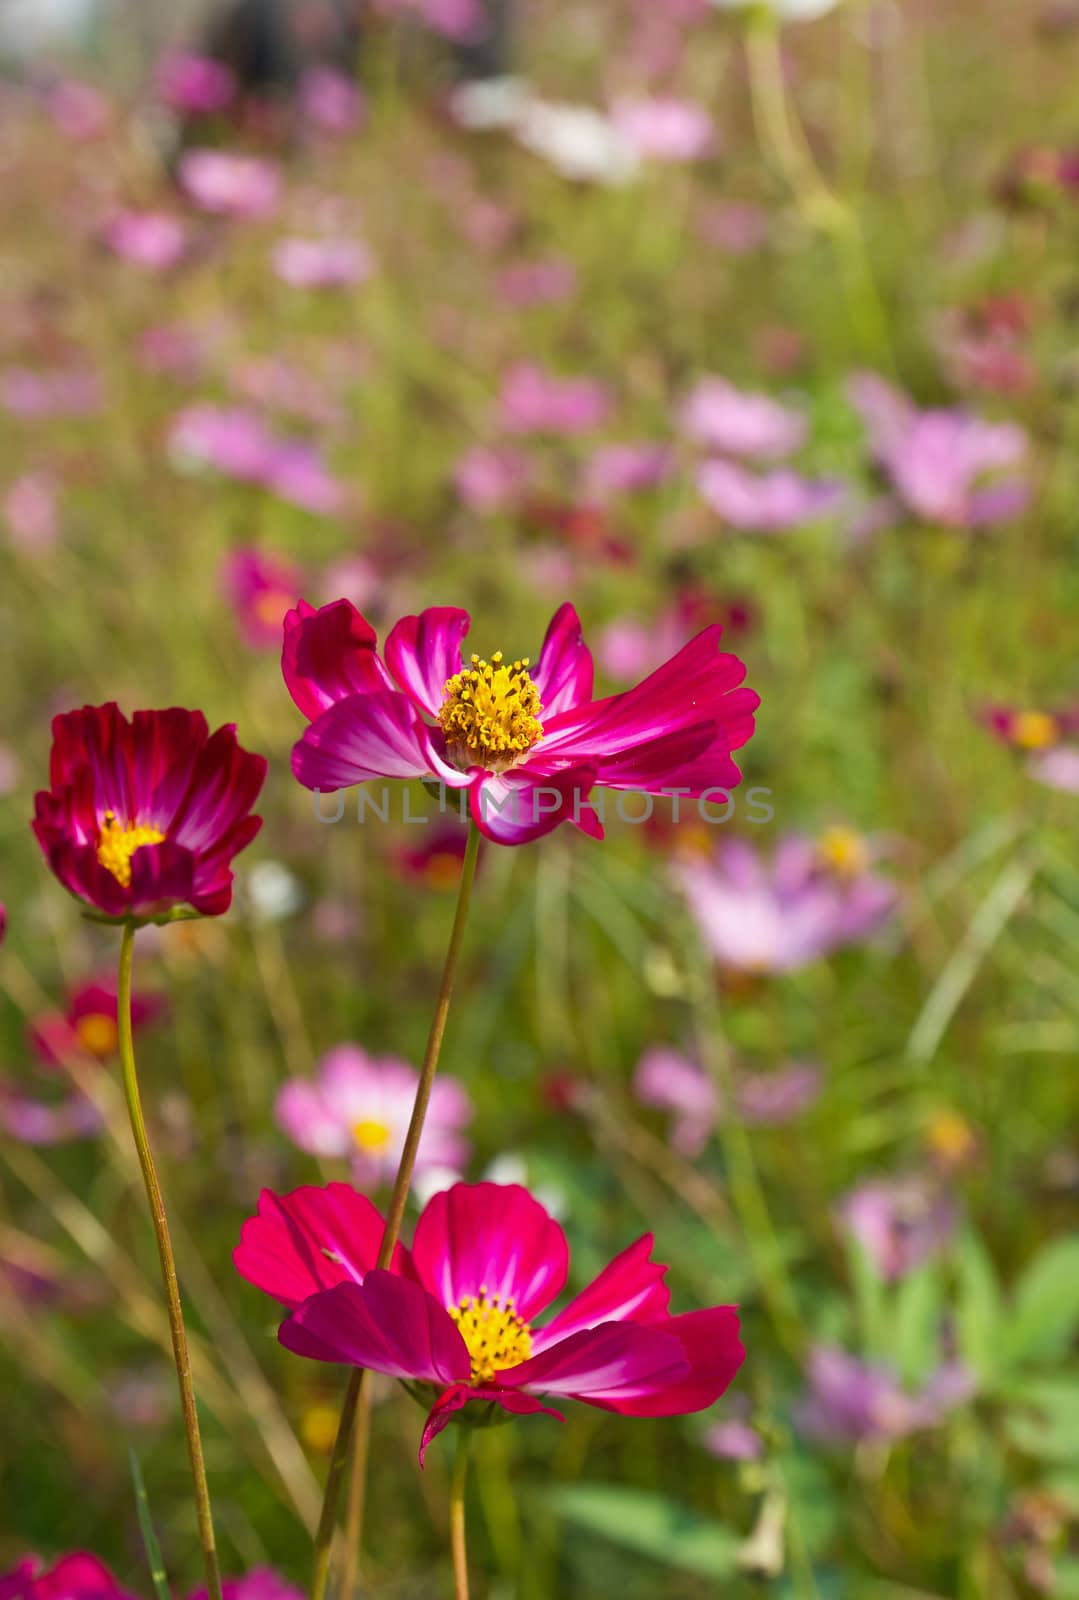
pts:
[851, 1400]
[144, 817]
[491, 478]
[259, 587]
[671, 1082]
[1029, 728]
[627, 469]
[735, 227]
[322, 263]
[29, 393]
[436, 862]
[770, 502]
[228, 184]
[237, 442]
[358, 1108]
[535, 401]
[899, 1222]
[155, 240]
[630, 647]
[938, 461]
[195, 84]
[538, 283]
[666, 129]
[718, 415]
[779, 916]
[455, 1318]
[1057, 769]
[88, 1025]
[80, 1576]
[329, 100]
[261, 1583]
[30, 512]
[34, 1121]
[527, 745]
[78, 109]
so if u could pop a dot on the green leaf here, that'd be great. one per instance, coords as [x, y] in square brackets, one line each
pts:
[869, 1298]
[651, 1525]
[149, 1538]
[1066, 1579]
[980, 1308]
[1050, 1429]
[916, 1325]
[1045, 1314]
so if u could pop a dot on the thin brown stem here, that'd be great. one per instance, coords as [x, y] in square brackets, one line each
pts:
[458, 1543]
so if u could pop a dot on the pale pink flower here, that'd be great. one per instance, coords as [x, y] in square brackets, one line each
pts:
[739, 422]
[192, 83]
[735, 227]
[322, 263]
[30, 512]
[899, 1222]
[27, 392]
[155, 240]
[1058, 768]
[616, 469]
[770, 502]
[666, 129]
[228, 184]
[330, 101]
[535, 401]
[358, 1108]
[491, 478]
[538, 283]
[79, 110]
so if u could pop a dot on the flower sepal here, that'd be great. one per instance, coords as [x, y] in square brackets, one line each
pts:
[162, 920]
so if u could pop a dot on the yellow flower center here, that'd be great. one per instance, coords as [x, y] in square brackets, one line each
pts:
[318, 1428]
[490, 715]
[117, 845]
[371, 1135]
[270, 605]
[493, 1332]
[843, 852]
[97, 1034]
[1034, 730]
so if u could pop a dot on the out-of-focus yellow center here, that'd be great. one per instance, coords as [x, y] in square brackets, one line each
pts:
[843, 852]
[270, 605]
[118, 844]
[1034, 730]
[97, 1034]
[493, 1332]
[443, 871]
[318, 1428]
[951, 1136]
[490, 715]
[371, 1135]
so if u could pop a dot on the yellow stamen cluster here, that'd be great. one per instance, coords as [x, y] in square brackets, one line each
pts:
[490, 715]
[844, 852]
[493, 1332]
[97, 1034]
[371, 1135]
[118, 844]
[1034, 730]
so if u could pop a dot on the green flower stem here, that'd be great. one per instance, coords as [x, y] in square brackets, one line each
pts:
[457, 1515]
[180, 1352]
[356, 1393]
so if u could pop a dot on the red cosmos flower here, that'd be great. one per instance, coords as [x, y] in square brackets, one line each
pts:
[143, 817]
[1028, 729]
[88, 1024]
[455, 1317]
[80, 1576]
[527, 743]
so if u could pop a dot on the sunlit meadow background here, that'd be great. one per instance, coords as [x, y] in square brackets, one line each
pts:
[914, 235]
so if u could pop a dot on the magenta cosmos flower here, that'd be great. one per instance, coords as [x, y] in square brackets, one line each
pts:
[527, 743]
[88, 1024]
[80, 1576]
[455, 1319]
[144, 817]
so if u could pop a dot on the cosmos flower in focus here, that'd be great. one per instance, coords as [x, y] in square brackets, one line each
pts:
[777, 916]
[80, 1576]
[741, 423]
[527, 744]
[850, 1401]
[228, 184]
[357, 1108]
[899, 1222]
[88, 1023]
[143, 817]
[769, 502]
[456, 1317]
[259, 587]
[945, 466]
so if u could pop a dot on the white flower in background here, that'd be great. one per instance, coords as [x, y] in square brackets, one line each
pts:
[785, 10]
[578, 141]
[273, 891]
[490, 103]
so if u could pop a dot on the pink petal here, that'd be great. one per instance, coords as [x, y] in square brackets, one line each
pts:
[161, 875]
[629, 1289]
[310, 1239]
[492, 1237]
[389, 1325]
[329, 654]
[447, 1404]
[613, 1364]
[563, 673]
[713, 1352]
[422, 652]
[367, 736]
[522, 804]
